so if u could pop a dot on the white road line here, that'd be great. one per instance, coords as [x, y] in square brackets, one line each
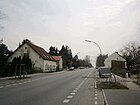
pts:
[75, 91]
[25, 82]
[1, 87]
[7, 85]
[14, 84]
[95, 98]
[105, 100]
[19, 83]
[72, 93]
[96, 102]
[76, 88]
[66, 101]
[95, 94]
[95, 85]
[69, 96]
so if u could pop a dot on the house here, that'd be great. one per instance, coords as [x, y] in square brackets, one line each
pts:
[115, 59]
[59, 62]
[40, 59]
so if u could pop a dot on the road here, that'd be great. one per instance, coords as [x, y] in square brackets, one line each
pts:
[45, 89]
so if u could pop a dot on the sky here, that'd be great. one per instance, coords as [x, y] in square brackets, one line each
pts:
[109, 23]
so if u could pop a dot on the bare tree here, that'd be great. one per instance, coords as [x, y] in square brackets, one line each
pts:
[2, 16]
[131, 54]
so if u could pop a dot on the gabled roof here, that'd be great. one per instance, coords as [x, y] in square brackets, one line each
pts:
[39, 50]
[57, 58]
[115, 53]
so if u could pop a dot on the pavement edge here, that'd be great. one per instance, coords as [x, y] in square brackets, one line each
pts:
[104, 96]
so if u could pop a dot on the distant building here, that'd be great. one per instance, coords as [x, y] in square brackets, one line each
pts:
[41, 60]
[115, 60]
[59, 61]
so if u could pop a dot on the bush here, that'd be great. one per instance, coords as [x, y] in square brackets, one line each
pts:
[119, 71]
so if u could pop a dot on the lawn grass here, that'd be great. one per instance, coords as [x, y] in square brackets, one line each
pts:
[111, 85]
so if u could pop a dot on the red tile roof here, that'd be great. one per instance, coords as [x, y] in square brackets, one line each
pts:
[57, 58]
[41, 52]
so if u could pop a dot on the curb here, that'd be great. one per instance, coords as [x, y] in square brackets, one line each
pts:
[104, 96]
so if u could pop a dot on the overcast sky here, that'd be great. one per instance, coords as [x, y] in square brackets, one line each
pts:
[110, 23]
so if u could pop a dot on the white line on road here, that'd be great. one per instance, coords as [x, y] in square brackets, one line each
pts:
[69, 96]
[96, 102]
[66, 101]
[72, 93]
[14, 84]
[7, 85]
[75, 91]
[95, 98]
[95, 85]
[95, 94]
[1, 87]
[25, 82]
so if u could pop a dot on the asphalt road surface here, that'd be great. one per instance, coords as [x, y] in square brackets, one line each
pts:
[45, 89]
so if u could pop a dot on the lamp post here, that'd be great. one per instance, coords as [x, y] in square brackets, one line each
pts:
[96, 44]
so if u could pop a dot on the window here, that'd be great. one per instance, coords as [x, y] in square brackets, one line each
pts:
[25, 48]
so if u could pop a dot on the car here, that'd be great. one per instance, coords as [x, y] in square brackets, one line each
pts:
[104, 72]
[71, 68]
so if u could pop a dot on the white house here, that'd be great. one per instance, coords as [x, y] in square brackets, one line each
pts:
[59, 62]
[113, 57]
[40, 59]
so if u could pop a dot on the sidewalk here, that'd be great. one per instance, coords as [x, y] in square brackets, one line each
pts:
[31, 75]
[127, 82]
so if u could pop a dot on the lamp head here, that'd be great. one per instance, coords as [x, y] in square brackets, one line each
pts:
[87, 40]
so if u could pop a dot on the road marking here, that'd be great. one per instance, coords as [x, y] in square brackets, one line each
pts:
[19, 83]
[95, 94]
[96, 102]
[1, 87]
[76, 88]
[14, 84]
[7, 85]
[25, 82]
[72, 93]
[95, 98]
[75, 91]
[95, 85]
[69, 96]
[66, 101]
[105, 100]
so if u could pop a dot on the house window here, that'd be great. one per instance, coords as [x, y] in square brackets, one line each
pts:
[46, 67]
[53, 67]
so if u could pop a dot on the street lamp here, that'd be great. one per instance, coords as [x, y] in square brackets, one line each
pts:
[96, 44]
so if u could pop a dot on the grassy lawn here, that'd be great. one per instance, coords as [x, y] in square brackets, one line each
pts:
[111, 85]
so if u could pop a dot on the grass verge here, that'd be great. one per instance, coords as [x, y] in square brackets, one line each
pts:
[111, 85]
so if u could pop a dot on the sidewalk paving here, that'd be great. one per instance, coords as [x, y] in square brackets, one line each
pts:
[128, 82]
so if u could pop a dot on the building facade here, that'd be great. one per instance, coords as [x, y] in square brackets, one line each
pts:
[115, 57]
[41, 60]
[59, 62]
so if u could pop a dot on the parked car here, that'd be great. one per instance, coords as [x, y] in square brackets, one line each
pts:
[104, 72]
